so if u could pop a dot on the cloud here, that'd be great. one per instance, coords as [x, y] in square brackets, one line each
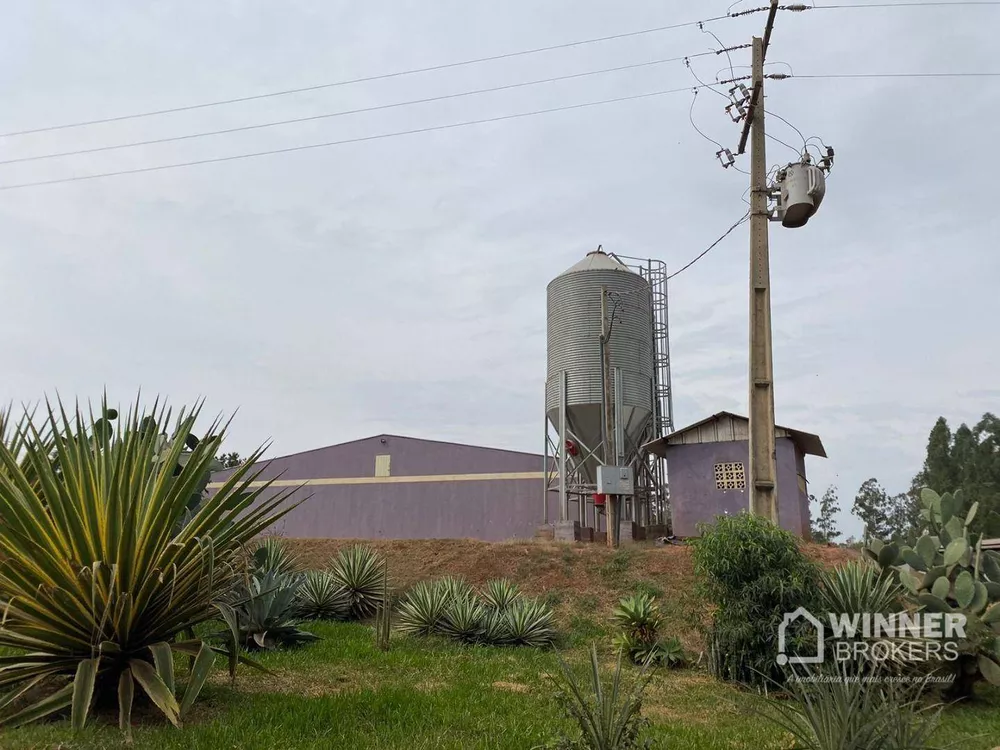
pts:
[399, 285]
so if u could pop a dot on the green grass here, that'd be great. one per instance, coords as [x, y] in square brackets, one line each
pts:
[618, 565]
[434, 694]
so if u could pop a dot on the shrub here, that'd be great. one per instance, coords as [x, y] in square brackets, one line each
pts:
[848, 714]
[320, 597]
[101, 580]
[501, 593]
[271, 554]
[754, 573]
[359, 570]
[263, 613]
[859, 587]
[450, 607]
[639, 620]
[463, 619]
[531, 623]
[421, 611]
[609, 717]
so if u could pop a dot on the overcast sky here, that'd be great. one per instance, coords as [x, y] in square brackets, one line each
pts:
[398, 285]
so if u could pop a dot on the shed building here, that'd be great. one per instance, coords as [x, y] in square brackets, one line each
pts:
[394, 487]
[707, 463]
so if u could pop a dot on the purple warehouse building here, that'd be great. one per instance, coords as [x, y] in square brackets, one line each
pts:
[393, 487]
[707, 466]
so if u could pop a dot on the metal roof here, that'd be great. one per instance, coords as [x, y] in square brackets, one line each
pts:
[596, 260]
[807, 442]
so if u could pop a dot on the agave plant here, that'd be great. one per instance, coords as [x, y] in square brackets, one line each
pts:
[463, 619]
[271, 555]
[531, 623]
[100, 582]
[263, 613]
[609, 717]
[359, 570]
[423, 609]
[495, 628]
[455, 588]
[836, 711]
[501, 593]
[320, 597]
[859, 587]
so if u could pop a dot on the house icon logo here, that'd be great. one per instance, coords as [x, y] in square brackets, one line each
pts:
[800, 614]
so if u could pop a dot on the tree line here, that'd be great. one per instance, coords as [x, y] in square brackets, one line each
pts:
[966, 459]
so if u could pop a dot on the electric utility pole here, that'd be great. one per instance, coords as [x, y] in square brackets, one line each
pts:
[797, 190]
[763, 472]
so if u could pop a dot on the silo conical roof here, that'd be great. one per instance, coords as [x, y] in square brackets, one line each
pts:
[596, 260]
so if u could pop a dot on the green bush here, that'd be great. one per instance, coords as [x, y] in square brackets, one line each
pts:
[639, 620]
[359, 570]
[101, 579]
[271, 554]
[844, 713]
[320, 597]
[753, 573]
[501, 593]
[450, 607]
[607, 716]
[263, 613]
[423, 609]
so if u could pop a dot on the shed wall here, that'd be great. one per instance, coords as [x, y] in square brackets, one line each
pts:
[695, 499]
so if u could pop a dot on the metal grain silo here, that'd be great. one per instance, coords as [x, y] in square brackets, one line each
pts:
[574, 354]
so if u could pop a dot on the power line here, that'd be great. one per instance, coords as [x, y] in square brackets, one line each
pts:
[898, 75]
[361, 139]
[710, 247]
[364, 79]
[376, 108]
[905, 5]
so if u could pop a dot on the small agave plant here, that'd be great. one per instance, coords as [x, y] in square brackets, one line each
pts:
[321, 597]
[359, 570]
[639, 618]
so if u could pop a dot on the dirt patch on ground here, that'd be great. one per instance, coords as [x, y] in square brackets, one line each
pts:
[512, 687]
[583, 582]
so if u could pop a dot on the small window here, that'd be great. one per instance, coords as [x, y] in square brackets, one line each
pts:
[730, 476]
[382, 465]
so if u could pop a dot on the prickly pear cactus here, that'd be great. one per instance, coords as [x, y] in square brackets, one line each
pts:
[948, 571]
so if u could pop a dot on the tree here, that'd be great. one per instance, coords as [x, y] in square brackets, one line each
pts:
[824, 524]
[968, 459]
[872, 506]
[939, 469]
[230, 460]
[903, 514]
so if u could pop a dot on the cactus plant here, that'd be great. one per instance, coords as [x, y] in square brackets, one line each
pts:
[383, 615]
[948, 571]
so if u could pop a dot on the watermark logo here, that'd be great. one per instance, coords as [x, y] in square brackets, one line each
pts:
[900, 637]
[801, 614]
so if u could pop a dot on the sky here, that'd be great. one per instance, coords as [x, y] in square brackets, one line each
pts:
[398, 285]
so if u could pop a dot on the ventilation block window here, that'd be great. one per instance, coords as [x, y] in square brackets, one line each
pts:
[382, 465]
[730, 476]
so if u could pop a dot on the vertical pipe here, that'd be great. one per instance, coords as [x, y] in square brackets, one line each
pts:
[563, 499]
[545, 475]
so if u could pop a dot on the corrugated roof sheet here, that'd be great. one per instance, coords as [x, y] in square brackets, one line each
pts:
[807, 442]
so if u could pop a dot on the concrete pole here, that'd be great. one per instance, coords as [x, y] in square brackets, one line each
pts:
[763, 484]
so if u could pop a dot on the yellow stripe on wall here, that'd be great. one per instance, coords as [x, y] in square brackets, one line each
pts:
[398, 480]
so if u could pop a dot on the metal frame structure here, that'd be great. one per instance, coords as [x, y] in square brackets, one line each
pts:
[650, 504]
